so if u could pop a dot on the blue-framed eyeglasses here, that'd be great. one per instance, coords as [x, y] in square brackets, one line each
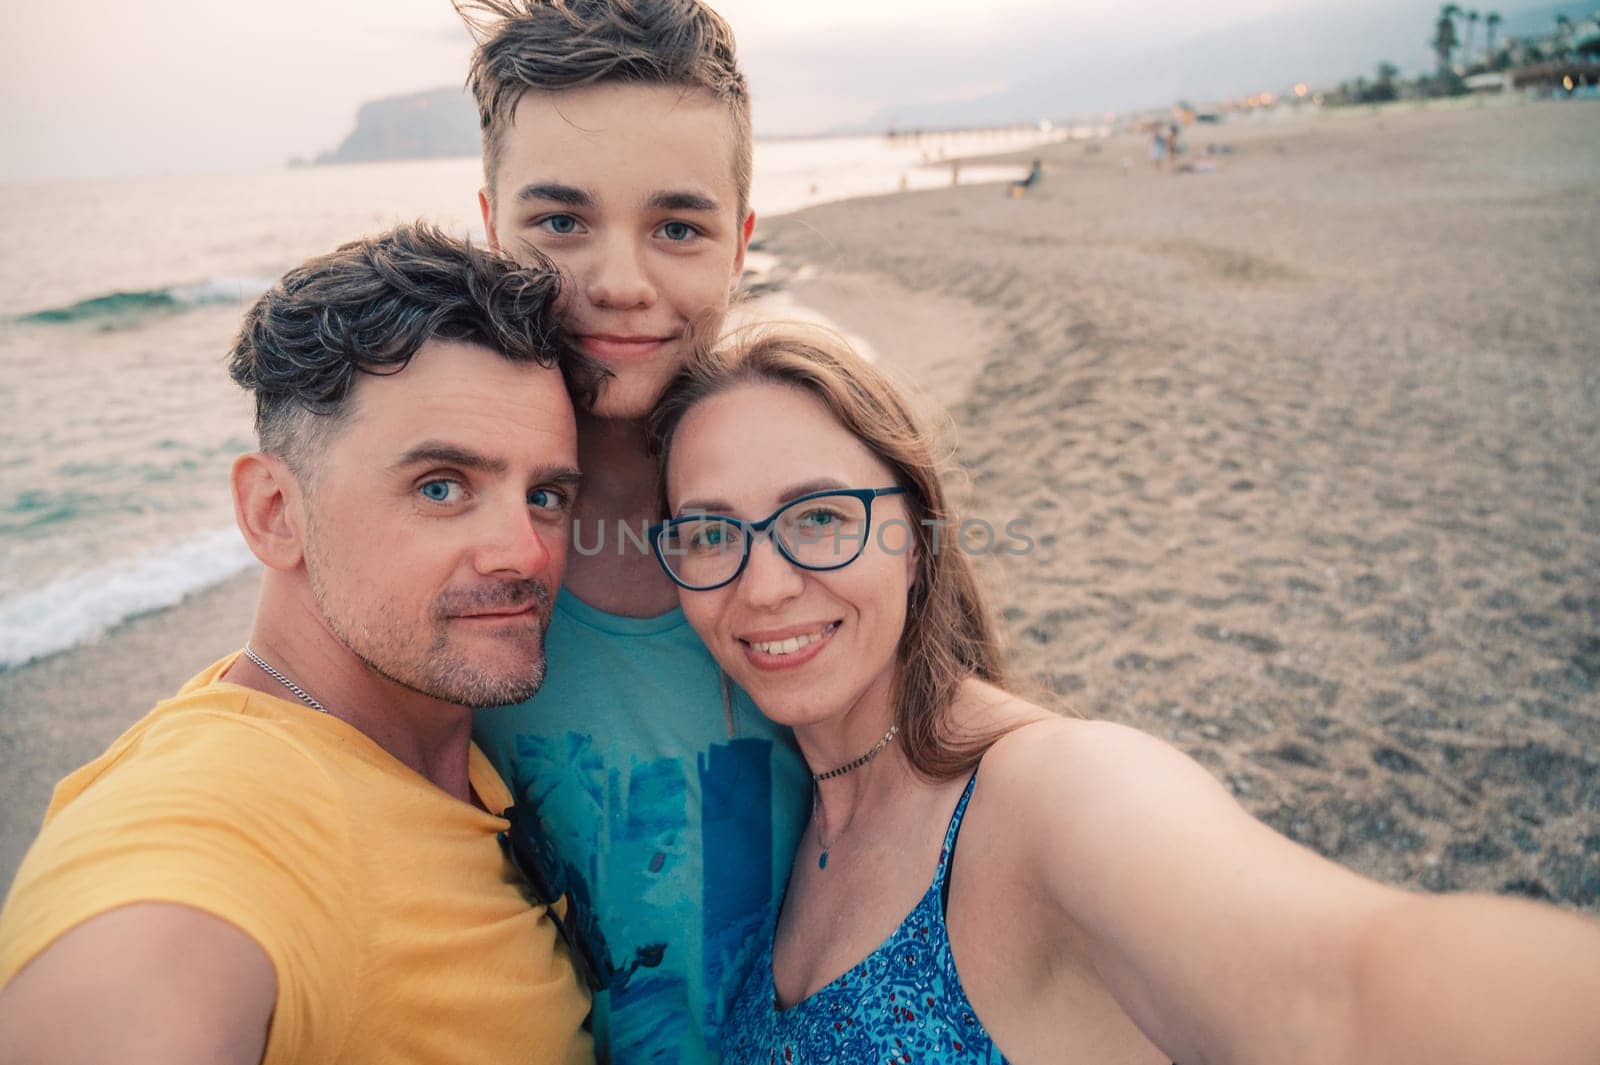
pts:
[820, 531]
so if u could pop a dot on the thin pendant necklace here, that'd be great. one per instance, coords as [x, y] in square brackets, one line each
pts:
[299, 692]
[823, 846]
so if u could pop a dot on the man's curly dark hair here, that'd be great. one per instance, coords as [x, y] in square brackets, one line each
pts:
[369, 307]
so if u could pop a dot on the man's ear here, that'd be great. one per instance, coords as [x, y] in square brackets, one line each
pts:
[268, 505]
[747, 228]
[487, 210]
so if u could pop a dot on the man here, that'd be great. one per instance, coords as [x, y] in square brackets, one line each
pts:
[617, 143]
[296, 858]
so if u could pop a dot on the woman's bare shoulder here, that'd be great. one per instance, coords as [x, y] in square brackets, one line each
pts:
[1036, 741]
[1086, 784]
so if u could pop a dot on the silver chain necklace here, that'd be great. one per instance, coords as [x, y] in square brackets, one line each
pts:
[299, 692]
[823, 846]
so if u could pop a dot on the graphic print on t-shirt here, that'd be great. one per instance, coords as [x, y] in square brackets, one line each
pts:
[669, 838]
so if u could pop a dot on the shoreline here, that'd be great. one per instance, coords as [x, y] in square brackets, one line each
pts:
[1302, 444]
[74, 607]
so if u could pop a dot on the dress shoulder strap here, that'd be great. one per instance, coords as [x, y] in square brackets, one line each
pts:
[952, 834]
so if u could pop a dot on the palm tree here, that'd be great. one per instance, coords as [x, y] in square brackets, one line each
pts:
[1472, 28]
[1444, 36]
[1492, 22]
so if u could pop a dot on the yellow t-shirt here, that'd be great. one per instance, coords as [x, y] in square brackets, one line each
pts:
[398, 930]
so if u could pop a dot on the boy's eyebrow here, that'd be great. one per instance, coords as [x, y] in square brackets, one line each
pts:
[681, 200]
[569, 195]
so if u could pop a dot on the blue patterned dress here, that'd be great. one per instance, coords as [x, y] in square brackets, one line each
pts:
[903, 1003]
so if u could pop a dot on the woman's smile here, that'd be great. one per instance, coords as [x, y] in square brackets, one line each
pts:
[775, 649]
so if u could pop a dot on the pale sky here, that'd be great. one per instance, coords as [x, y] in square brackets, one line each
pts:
[145, 87]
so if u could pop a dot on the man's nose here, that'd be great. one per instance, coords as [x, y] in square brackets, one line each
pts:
[520, 546]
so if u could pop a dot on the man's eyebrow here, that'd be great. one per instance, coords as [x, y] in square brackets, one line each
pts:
[681, 200]
[553, 192]
[568, 477]
[450, 455]
[443, 454]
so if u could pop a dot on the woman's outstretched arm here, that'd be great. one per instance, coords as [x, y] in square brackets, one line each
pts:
[1226, 942]
[1467, 978]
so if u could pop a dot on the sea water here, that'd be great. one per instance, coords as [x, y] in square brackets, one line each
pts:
[119, 301]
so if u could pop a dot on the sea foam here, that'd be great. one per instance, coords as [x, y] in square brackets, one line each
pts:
[78, 609]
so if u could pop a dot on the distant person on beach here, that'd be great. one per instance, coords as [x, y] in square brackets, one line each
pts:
[1166, 144]
[617, 142]
[300, 857]
[982, 880]
[1034, 176]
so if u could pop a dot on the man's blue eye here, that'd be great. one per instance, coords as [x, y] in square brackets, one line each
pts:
[546, 499]
[560, 224]
[677, 231]
[440, 491]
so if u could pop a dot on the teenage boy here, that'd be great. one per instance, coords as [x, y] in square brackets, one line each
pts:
[616, 141]
[298, 858]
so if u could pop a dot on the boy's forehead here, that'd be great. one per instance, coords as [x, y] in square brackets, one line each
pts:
[620, 141]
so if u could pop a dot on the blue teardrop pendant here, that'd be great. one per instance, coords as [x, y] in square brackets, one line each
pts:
[822, 860]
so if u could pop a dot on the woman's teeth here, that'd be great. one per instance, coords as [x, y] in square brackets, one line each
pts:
[793, 643]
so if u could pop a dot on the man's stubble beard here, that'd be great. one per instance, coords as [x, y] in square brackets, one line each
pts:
[432, 670]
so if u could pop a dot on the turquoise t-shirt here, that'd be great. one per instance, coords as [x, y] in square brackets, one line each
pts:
[676, 818]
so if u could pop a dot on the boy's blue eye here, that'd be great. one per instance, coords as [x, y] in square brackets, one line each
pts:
[440, 491]
[677, 231]
[560, 224]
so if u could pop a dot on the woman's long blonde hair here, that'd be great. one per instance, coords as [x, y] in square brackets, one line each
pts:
[949, 634]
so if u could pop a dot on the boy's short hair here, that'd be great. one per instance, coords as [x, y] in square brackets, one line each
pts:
[369, 307]
[549, 45]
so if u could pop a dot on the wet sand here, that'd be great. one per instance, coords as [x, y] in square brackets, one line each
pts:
[1308, 447]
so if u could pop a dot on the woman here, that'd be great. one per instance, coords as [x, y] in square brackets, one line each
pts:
[1108, 902]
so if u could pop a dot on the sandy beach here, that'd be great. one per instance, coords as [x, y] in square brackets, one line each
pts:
[1308, 447]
